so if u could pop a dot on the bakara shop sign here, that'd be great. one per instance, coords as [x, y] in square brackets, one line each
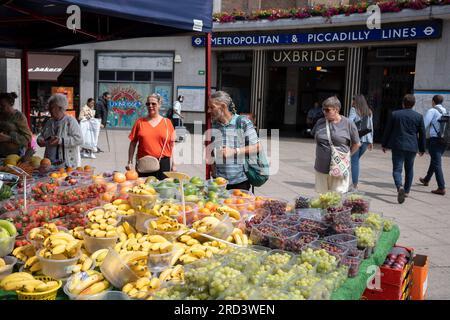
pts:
[305, 57]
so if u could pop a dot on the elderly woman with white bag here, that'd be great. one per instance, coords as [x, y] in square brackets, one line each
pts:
[90, 128]
[61, 135]
[336, 139]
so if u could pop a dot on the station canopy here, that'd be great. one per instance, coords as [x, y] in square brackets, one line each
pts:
[42, 24]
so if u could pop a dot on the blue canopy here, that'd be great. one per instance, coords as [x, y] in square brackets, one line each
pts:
[41, 24]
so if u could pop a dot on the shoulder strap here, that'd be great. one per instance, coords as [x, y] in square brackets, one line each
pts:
[327, 125]
[165, 142]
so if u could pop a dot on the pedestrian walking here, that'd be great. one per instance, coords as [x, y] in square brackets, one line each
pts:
[362, 116]
[435, 146]
[101, 111]
[405, 136]
[176, 112]
[90, 128]
[336, 139]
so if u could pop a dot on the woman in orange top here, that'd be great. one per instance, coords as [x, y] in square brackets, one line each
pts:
[154, 135]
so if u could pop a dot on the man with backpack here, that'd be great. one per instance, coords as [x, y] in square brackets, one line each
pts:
[436, 123]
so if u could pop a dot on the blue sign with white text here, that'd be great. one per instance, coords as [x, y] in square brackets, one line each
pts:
[428, 30]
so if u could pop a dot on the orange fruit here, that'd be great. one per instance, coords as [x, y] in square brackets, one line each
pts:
[209, 205]
[237, 193]
[111, 187]
[205, 211]
[240, 201]
[45, 162]
[228, 201]
[251, 208]
[54, 175]
[69, 169]
[87, 168]
[107, 197]
[119, 177]
[124, 190]
[62, 170]
[131, 175]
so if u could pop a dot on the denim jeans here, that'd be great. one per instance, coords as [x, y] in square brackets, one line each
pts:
[436, 150]
[400, 158]
[355, 161]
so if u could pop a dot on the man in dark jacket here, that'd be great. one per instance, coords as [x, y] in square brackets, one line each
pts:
[101, 110]
[405, 136]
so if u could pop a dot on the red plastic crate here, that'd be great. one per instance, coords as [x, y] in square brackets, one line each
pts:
[390, 292]
[397, 277]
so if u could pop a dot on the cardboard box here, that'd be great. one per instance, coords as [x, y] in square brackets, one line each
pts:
[390, 292]
[396, 277]
[420, 277]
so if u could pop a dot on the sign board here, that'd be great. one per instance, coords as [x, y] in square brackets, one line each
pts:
[417, 31]
[47, 67]
[308, 57]
[201, 72]
[194, 98]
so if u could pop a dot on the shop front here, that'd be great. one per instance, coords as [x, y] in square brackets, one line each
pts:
[288, 71]
[50, 73]
[130, 77]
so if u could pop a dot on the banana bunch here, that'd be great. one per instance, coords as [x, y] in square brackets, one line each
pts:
[165, 209]
[103, 216]
[172, 274]
[102, 224]
[206, 225]
[232, 213]
[40, 234]
[137, 262]
[85, 263]
[87, 283]
[77, 232]
[3, 265]
[142, 288]
[24, 253]
[143, 189]
[98, 256]
[22, 281]
[120, 206]
[32, 265]
[60, 246]
[164, 223]
[240, 238]
[188, 249]
[151, 244]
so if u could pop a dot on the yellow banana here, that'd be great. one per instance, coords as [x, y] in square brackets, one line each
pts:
[96, 288]
[155, 283]
[176, 256]
[87, 264]
[87, 283]
[18, 285]
[31, 261]
[142, 282]
[59, 249]
[62, 235]
[165, 275]
[237, 239]
[127, 288]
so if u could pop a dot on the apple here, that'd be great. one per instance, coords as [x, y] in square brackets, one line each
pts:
[392, 256]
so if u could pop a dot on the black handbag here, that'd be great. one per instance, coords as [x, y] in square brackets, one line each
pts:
[363, 126]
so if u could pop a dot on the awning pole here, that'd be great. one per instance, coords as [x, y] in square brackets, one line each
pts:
[26, 107]
[207, 94]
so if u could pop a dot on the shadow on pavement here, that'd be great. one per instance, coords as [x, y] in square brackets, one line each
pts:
[300, 184]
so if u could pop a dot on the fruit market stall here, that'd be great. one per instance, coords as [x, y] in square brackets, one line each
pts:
[113, 235]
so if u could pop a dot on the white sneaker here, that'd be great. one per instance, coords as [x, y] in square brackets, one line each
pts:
[84, 154]
[92, 156]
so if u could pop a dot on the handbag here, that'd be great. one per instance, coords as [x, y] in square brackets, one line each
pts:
[340, 161]
[363, 126]
[149, 164]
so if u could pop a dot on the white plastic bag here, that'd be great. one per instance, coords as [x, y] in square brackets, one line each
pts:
[90, 130]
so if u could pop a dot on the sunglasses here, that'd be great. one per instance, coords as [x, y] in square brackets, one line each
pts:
[148, 104]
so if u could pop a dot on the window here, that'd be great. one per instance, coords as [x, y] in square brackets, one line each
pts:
[162, 76]
[124, 75]
[142, 76]
[107, 75]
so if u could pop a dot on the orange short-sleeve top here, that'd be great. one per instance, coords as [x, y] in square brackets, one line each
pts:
[151, 139]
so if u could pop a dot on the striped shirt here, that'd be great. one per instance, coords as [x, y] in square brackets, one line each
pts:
[232, 169]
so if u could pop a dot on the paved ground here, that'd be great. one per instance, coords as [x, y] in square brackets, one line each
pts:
[424, 219]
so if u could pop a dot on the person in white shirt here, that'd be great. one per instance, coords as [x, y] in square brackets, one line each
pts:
[176, 117]
[87, 113]
[435, 147]
[358, 111]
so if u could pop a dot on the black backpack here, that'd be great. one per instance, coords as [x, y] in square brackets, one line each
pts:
[444, 128]
[169, 114]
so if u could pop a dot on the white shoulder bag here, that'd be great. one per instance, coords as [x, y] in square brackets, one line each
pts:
[340, 161]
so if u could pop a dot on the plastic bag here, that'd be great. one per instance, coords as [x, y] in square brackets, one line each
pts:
[90, 130]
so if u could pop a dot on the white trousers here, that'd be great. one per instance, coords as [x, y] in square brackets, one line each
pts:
[326, 183]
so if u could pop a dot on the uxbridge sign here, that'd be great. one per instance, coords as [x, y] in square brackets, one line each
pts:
[306, 57]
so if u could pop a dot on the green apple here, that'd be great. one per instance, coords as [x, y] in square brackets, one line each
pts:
[191, 198]
[212, 195]
[8, 227]
[196, 181]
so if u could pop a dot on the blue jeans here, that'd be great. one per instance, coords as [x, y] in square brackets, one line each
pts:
[400, 158]
[436, 150]
[355, 161]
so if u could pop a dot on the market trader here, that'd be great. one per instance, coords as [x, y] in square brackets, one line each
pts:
[101, 110]
[228, 162]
